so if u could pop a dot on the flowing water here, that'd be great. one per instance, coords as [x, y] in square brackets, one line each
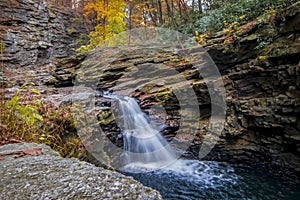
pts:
[150, 160]
[195, 180]
[143, 144]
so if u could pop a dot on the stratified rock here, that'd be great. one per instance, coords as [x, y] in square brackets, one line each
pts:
[36, 35]
[49, 176]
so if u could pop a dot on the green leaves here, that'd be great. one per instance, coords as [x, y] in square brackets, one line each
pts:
[238, 11]
[28, 112]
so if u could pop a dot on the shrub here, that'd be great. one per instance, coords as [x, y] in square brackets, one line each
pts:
[24, 117]
[233, 10]
[18, 120]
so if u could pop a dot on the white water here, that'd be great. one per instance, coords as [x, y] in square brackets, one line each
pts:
[143, 145]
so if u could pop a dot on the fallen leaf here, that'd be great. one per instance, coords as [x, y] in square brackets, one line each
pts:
[33, 151]
[15, 140]
[21, 153]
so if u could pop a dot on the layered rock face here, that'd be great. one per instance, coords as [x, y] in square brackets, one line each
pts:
[36, 35]
[263, 96]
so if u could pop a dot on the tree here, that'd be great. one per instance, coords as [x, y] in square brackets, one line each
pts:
[109, 15]
[141, 13]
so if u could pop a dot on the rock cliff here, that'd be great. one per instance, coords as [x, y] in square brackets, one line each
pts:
[263, 96]
[35, 35]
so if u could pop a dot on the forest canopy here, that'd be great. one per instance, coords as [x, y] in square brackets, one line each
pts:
[110, 17]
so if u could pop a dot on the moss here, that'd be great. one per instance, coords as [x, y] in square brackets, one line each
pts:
[70, 31]
[148, 87]
[106, 117]
[251, 37]
[77, 20]
[279, 47]
[158, 90]
[83, 38]
[164, 97]
[2, 47]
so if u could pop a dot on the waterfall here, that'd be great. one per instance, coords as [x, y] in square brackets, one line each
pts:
[143, 144]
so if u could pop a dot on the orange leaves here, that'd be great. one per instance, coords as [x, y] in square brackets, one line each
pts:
[99, 7]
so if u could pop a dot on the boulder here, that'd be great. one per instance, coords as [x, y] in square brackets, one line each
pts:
[49, 176]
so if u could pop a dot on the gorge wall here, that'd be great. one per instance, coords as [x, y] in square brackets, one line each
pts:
[262, 84]
[260, 70]
[35, 35]
[261, 77]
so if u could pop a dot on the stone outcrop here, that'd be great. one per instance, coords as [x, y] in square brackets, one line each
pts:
[263, 94]
[36, 35]
[49, 176]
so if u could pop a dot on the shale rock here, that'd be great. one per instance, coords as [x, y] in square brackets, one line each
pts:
[36, 35]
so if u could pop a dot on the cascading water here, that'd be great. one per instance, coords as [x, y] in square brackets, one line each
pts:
[149, 154]
[143, 144]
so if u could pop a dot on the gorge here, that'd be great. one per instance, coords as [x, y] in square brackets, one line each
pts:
[261, 81]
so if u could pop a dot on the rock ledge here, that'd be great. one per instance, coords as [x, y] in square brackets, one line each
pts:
[49, 176]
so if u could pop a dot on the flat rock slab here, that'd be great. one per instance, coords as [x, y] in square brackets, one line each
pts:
[49, 176]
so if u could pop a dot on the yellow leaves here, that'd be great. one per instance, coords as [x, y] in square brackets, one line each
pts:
[232, 32]
[242, 16]
[201, 39]
[262, 57]
[27, 112]
[225, 23]
[271, 10]
[35, 91]
[110, 16]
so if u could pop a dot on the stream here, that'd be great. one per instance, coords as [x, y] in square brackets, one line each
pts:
[194, 180]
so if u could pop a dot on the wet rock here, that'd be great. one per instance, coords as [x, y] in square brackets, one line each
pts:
[49, 176]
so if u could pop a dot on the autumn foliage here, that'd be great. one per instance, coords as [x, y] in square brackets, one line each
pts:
[109, 15]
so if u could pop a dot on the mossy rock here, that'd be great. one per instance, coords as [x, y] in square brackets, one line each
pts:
[279, 47]
[164, 97]
[106, 117]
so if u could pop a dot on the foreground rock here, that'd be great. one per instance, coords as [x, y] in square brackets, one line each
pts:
[49, 176]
